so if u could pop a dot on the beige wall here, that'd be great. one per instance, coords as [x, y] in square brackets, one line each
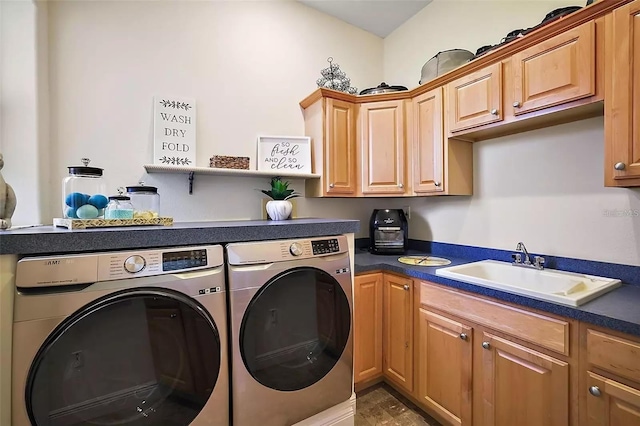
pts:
[545, 187]
[248, 64]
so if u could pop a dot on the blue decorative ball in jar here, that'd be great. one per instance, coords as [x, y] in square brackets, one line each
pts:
[83, 192]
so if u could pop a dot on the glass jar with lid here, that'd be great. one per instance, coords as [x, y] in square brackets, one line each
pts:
[119, 207]
[83, 192]
[145, 200]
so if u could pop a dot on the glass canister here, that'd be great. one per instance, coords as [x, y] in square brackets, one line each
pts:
[119, 207]
[145, 200]
[83, 192]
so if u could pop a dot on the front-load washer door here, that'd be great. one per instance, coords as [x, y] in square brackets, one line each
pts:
[295, 329]
[144, 356]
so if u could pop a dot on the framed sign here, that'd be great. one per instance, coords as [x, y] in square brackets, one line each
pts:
[290, 154]
[174, 131]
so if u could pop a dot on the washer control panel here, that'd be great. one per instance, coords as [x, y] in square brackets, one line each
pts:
[47, 271]
[325, 246]
[187, 259]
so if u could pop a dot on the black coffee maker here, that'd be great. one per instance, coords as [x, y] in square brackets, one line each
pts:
[388, 232]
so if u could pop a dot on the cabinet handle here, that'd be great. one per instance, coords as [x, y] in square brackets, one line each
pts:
[463, 336]
[516, 104]
[619, 166]
[331, 185]
[437, 184]
[406, 344]
[173, 315]
[400, 185]
[486, 345]
[406, 287]
[494, 112]
[595, 391]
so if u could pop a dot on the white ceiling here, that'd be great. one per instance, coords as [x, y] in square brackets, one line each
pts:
[379, 17]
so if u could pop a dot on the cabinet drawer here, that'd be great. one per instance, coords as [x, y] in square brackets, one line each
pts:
[614, 354]
[547, 332]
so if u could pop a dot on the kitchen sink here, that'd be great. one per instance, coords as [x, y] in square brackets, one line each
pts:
[566, 288]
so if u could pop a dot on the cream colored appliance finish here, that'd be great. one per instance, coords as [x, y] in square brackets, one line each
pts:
[36, 316]
[88, 268]
[566, 288]
[254, 403]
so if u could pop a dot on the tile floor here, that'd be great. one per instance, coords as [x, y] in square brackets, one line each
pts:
[382, 405]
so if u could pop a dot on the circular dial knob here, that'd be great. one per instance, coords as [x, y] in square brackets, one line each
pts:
[295, 249]
[134, 264]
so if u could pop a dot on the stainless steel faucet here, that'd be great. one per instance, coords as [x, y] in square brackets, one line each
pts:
[538, 261]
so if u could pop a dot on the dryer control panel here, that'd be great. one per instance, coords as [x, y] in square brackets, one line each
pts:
[325, 246]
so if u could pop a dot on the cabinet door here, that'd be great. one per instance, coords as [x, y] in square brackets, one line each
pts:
[622, 106]
[367, 331]
[555, 71]
[340, 148]
[475, 99]
[610, 403]
[444, 367]
[521, 386]
[382, 127]
[428, 143]
[398, 331]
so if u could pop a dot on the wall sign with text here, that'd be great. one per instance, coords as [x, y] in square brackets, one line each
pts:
[174, 131]
[287, 154]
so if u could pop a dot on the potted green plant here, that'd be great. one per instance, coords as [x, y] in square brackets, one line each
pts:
[279, 208]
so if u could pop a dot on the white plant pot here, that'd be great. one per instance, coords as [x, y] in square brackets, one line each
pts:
[279, 209]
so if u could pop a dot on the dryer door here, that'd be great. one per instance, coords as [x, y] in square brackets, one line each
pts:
[295, 329]
[143, 356]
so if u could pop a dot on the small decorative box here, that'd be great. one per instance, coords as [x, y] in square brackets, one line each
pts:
[227, 162]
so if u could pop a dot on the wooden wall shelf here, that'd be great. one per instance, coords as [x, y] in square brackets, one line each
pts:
[192, 171]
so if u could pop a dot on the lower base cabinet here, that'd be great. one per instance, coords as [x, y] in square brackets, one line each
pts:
[611, 403]
[397, 325]
[473, 361]
[521, 386]
[444, 372]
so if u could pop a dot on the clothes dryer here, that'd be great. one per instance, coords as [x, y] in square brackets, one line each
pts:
[290, 329]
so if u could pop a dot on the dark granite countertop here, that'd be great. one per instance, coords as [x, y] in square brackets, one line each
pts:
[618, 310]
[52, 240]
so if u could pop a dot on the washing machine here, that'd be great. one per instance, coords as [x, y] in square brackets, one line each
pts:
[290, 306]
[131, 338]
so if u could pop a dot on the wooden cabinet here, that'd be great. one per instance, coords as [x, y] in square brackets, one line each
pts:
[331, 124]
[382, 145]
[367, 330]
[521, 386]
[611, 403]
[557, 70]
[428, 143]
[444, 373]
[397, 323]
[611, 389]
[475, 99]
[622, 92]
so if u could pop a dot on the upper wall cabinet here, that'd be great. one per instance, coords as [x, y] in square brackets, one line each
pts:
[475, 99]
[622, 105]
[382, 146]
[555, 71]
[331, 123]
[428, 143]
